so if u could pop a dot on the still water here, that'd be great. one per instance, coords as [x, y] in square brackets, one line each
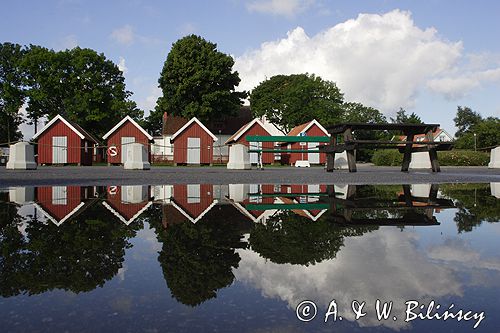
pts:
[241, 258]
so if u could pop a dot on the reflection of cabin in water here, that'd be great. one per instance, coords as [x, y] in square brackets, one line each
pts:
[127, 203]
[62, 203]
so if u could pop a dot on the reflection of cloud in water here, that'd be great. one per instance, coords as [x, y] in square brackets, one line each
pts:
[121, 272]
[459, 251]
[384, 265]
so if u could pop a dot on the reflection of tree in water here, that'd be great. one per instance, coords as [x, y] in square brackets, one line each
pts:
[294, 239]
[79, 255]
[12, 243]
[475, 204]
[198, 259]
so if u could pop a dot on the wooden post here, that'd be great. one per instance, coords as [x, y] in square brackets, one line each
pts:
[407, 152]
[407, 194]
[432, 152]
[351, 159]
[330, 156]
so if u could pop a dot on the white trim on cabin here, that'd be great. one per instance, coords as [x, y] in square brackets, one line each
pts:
[50, 123]
[312, 122]
[249, 125]
[51, 218]
[194, 119]
[120, 216]
[199, 216]
[139, 127]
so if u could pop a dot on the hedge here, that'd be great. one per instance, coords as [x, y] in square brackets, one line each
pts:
[390, 157]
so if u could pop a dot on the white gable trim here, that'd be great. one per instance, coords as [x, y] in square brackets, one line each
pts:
[117, 126]
[51, 218]
[315, 122]
[194, 119]
[50, 123]
[249, 125]
[121, 218]
[199, 216]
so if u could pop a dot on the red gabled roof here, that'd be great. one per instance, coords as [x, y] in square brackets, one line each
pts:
[298, 129]
[245, 128]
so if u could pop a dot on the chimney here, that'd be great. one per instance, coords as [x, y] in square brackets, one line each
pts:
[164, 124]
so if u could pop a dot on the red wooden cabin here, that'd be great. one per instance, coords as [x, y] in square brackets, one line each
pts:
[61, 141]
[193, 200]
[312, 128]
[127, 203]
[61, 203]
[255, 127]
[193, 143]
[125, 132]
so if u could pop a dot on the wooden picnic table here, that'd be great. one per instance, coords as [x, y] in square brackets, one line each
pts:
[407, 147]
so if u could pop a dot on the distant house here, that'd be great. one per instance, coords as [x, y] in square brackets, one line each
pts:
[62, 141]
[311, 128]
[193, 143]
[255, 127]
[439, 135]
[127, 203]
[124, 133]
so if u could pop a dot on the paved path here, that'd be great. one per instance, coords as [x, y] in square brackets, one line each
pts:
[103, 175]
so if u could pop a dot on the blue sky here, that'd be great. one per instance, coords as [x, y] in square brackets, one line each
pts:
[426, 56]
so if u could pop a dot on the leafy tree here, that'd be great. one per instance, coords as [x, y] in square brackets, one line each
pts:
[79, 84]
[403, 118]
[465, 120]
[198, 260]
[79, 255]
[154, 122]
[487, 133]
[291, 100]
[11, 91]
[358, 113]
[198, 80]
[474, 203]
[294, 239]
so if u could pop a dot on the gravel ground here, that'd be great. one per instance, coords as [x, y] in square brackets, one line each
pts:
[367, 174]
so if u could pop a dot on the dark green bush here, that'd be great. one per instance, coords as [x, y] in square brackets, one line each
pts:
[389, 157]
[392, 157]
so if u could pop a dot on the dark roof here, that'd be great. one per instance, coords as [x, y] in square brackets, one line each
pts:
[173, 124]
[227, 125]
[86, 134]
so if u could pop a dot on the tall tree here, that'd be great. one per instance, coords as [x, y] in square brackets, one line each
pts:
[80, 84]
[197, 80]
[465, 120]
[403, 118]
[11, 91]
[290, 100]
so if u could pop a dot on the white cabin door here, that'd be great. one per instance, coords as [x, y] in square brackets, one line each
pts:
[254, 157]
[194, 193]
[125, 146]
[313, 158]
[59, 149]
[193, 150]
[59, 195]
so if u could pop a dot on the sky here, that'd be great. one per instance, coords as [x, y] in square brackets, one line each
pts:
[427, 57]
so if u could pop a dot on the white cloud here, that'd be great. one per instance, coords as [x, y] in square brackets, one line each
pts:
[187, 28]
[68, 42]
[122, 66]
[288, 8]
[385, 264]
[124, 35]
[127, 36]
[379, 60]
[149, 102]
[457, 86]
